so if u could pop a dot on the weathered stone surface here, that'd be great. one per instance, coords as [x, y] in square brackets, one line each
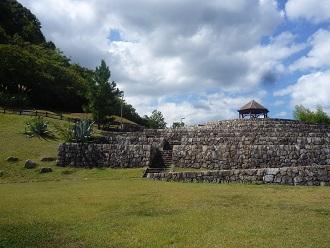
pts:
[29, 164]
[12, 159]
[48, 159]
[46, 170]
[104, 155]
[252, 176]
[223, 145]
[268, 178]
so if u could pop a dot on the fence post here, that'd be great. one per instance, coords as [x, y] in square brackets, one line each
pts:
[61, 116]
[46, 114]
[36, 112]
[4, 110]
[20, 112]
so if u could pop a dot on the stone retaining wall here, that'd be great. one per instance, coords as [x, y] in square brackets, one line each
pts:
[103, 155]
[234, 144]
[238, 156]
[304, 175]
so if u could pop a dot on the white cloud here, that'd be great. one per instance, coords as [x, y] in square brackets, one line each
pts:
[315, 11]
[171, 48]
[204, 107]
[310, 91]
[318, 56]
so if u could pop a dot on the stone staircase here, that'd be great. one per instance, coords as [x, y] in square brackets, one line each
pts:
[167, 162]
[167, 157]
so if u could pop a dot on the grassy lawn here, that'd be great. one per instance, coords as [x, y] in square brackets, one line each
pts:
[117, 208]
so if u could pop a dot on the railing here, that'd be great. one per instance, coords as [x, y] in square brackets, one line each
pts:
[39, 113]
[113, 127]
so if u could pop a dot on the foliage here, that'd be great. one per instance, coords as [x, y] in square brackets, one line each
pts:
[129, 112]
[103, 94]
[64, 131]
[34, 68]
[18, 21]
[156, 120]
[177, 124]
[33, 72]
[37, 126]
[304, 114]
[43, 75]
[80, 131]
[14, 101]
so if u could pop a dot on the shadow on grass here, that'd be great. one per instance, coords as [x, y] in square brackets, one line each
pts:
[46, 136]
[34, 235]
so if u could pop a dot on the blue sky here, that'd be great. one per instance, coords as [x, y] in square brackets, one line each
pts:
[200, 60]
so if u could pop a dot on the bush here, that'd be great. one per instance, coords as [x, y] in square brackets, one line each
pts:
[79, 132]
[37, 126]
[304, 114]
[14, 100]
[82, 130]
[65, 131]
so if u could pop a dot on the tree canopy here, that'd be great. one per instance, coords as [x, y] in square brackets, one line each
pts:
[304, 114]
[156, 120]
[34, 73]
[102, 93]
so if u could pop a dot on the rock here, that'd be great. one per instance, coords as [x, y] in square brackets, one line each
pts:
[1, 173]
[29, 164]
[46, 170]
[272, 171]
[48, 159]
[268, 178]
[11, 159]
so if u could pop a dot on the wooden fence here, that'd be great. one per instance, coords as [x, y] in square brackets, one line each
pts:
[114, 126]
[39, 113]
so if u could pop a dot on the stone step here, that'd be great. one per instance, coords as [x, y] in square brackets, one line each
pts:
[154, 170]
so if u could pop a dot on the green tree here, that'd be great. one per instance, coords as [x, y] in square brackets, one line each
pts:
[156, 120]
[304, 114]
[102, 94]
[177, 124]
[18, 20]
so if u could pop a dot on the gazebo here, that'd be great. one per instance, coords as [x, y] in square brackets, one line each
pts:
[253, 110]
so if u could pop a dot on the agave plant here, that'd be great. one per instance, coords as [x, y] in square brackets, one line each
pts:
[37, 126]
[82, 130]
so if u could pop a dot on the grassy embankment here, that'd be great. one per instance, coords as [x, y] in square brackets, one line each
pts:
[117, 208]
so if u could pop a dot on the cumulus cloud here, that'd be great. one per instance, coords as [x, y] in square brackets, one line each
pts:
[204, 107]
[316, 11]
[170, 48]
[310, 90]
[318, 56]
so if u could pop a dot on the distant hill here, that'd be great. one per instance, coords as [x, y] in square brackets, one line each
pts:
[33, 72]
[17, 21]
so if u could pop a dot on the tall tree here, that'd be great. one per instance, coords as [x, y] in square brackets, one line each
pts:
[156, 120]
[103, 94]
[304, 114]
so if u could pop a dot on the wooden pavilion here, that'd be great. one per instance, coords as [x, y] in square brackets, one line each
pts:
[253, 109]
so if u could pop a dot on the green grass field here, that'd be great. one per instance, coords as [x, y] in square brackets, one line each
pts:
[117, 208]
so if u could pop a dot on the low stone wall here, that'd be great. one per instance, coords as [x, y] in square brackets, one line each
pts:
[103, 155]
[303, 175]
[238, 156]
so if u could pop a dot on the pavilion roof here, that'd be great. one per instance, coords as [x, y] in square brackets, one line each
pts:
[253, 105]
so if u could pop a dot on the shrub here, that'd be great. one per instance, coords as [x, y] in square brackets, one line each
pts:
[79, 132]
[14, 100]
[65, 131]
[82, 130]
[304, 114]
[37, 126]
